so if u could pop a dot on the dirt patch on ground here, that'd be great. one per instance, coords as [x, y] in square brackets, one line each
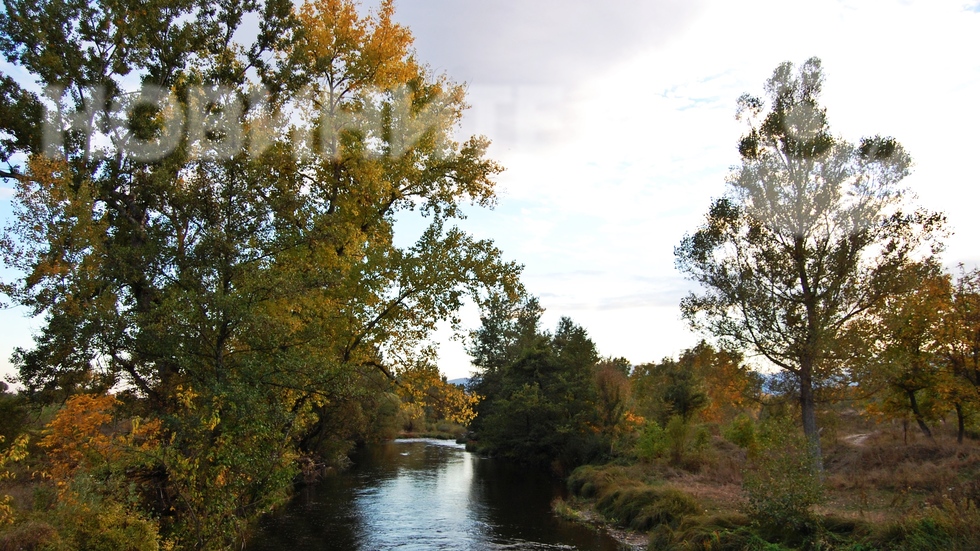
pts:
[857, 439]
[715, 497]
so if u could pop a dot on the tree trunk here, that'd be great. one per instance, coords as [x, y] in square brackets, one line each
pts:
[918, 414]
[960, 423]
[808, 409]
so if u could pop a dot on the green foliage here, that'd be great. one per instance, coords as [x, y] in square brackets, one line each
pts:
[613, 398]
[711, 384]
[88, 521]
[629, 503]
[227, 466]
[13, 453]
[588, 480]
[643, 507]
[13, 416]
[678, 433]
[730, 532]
[901, 359]
[782, 483]
[539, 391]
[680, 442]
[669, 388]
[652, 443]
[959, 340]
[741, 432]
[29, 535]
[952, 525]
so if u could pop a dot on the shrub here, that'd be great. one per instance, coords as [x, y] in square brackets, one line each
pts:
[741, 432]
[107, 526]
[677, 441]
[678, 433]
[623, 500]
[954, 525]
[653, 443]
[781, 484]
[13, 416]
[716, 533]
[28, 536]
[14, 453]
[589, 480]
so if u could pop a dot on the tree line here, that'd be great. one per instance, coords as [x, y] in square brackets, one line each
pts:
[815, 262]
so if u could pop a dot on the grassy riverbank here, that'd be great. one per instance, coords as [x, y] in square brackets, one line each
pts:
[883, 488]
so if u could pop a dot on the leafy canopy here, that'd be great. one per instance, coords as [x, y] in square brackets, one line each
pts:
[205, 217]
[813, 232]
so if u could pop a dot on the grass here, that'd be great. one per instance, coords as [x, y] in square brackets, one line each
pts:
[885, 488]
[626, 501]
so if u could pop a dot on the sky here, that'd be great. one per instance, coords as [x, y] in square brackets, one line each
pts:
[615, 122]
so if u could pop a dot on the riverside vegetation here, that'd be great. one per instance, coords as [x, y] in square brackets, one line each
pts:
[226, 312]
[816, 263]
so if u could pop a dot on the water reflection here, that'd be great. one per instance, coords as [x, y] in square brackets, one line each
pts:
[426, 494]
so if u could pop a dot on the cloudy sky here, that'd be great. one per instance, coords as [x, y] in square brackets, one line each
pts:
[615, 122]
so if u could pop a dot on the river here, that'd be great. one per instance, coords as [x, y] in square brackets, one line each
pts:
[426, 495]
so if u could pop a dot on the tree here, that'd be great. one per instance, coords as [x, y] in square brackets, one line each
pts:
[539, 391]
[220, 241]
[667, 389]
[612, 392]
[905, 365]
[811, 235]
[960, 347]
[714, 384]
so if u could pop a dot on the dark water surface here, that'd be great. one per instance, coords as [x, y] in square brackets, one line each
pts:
[426, 494]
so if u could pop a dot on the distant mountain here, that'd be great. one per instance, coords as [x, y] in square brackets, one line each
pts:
[465, 381]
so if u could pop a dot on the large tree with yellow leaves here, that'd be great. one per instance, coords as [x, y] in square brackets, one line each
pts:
[205, 217]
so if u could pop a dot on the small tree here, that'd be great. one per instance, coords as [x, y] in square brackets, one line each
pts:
[811, 234]
[780, 485]
[905, 367]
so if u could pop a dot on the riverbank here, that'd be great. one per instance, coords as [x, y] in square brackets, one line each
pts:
[438, 430]
[580, 511]
[880, 491]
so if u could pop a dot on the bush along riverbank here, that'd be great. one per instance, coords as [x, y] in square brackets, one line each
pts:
[750, 485]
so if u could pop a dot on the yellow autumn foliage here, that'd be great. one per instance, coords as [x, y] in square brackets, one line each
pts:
[426, 390]
[16, 452]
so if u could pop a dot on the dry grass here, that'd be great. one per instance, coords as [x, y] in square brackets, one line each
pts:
[882, 478]
[884, 488]
[874, 473]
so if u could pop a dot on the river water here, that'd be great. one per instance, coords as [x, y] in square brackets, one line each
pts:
[422, 495]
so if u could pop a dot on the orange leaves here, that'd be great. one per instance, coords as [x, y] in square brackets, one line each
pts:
[78, 435]
[633, 421]
[82, 436]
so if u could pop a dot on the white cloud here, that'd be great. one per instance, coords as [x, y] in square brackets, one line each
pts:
[649, 135]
